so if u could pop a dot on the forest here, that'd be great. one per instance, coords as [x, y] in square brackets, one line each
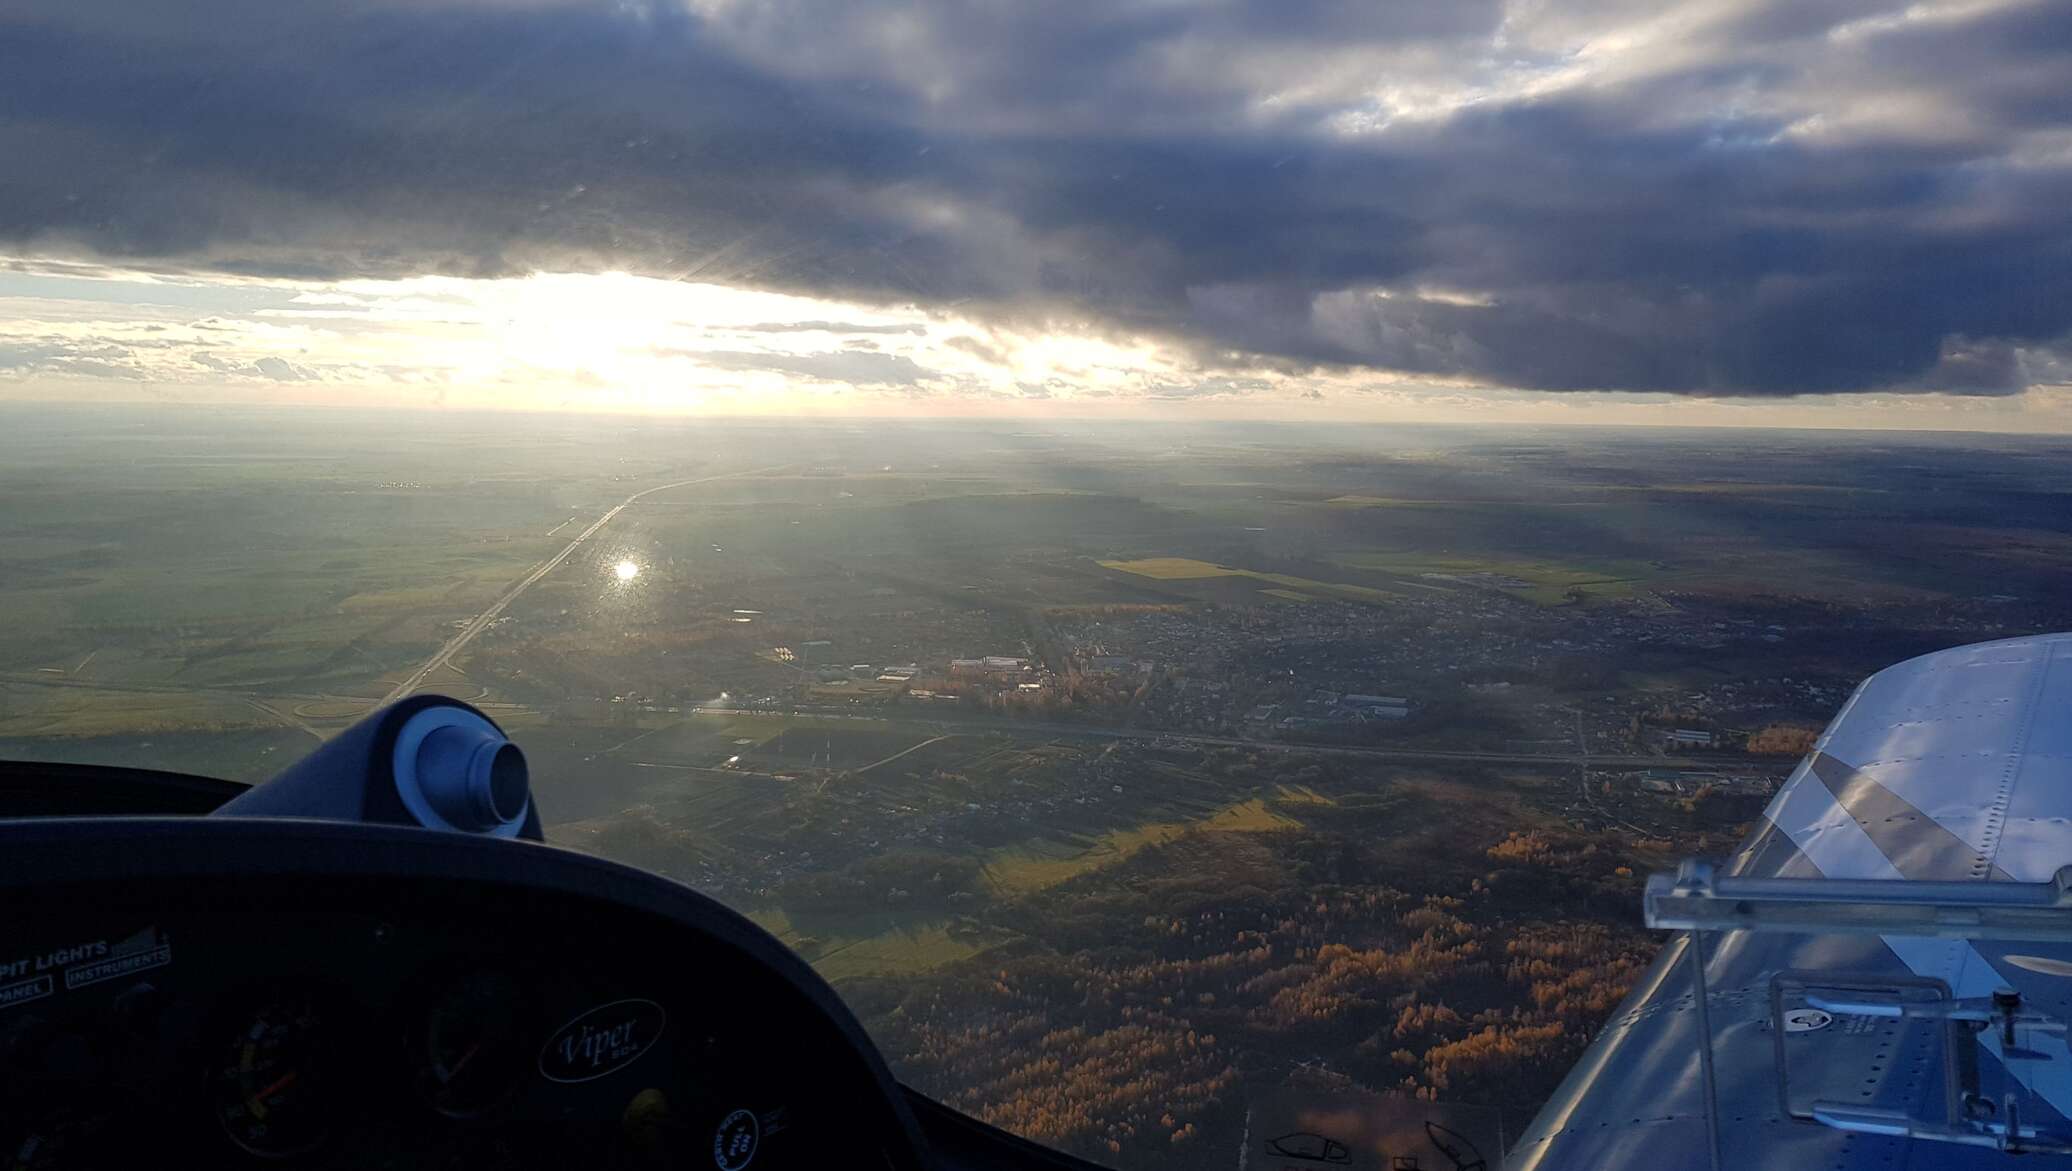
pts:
[1439, 939]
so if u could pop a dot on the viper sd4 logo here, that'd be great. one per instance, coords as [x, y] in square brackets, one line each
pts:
[602, 1041]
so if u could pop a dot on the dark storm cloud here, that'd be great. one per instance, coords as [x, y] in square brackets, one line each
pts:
[1791, 197]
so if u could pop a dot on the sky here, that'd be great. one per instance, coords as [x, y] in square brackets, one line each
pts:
[1807, 212]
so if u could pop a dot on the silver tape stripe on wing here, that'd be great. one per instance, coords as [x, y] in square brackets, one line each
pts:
[1966, 792]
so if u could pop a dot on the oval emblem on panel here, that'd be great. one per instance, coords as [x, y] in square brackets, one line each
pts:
[602, 1041]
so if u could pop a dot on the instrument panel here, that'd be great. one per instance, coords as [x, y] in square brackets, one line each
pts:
[386, 1020]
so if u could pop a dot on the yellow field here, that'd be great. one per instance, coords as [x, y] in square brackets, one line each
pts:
[1739, 488]
[1382, 502]
[1303, 794]
[59, 711]
[897, 952]
[1173, 568]
[1020, 869]
[894, 951]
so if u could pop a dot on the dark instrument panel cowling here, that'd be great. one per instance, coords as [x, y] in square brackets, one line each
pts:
[217, 992]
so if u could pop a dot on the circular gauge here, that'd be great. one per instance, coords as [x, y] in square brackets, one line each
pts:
[269, 1081]
[474, 1053]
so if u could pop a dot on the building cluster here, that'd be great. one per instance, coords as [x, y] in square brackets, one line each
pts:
[952, 679]
[1669, 782]
[994, 669]
[1431, 662]
[1462, 664]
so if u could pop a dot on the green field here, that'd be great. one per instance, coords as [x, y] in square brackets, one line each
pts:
[1187, 569]
[1546, 583]
[842, 945]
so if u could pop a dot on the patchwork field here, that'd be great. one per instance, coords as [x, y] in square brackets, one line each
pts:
[1151, 849]
[1042, 864]
[1541, 582]
[879, 945]
[1186, 569]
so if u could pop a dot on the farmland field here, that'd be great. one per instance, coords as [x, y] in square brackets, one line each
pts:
[1544, 583]
[1253, 680]
[1038, 866]
[1184, 569]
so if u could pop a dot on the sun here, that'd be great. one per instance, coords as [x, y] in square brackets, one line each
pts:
[626, 570]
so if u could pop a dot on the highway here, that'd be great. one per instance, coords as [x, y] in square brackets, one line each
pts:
[481, 622]
[960, 724]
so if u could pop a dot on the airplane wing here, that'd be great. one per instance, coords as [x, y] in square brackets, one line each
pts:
[1866, 1049]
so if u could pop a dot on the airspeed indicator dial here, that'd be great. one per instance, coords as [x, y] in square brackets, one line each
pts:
[269, 1081]
[474, 1052]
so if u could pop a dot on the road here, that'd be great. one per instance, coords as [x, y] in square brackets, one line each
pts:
[1590, 801]
[951, 725]
[904, 751]
[482, 621]
[288, 718]
[940, 726]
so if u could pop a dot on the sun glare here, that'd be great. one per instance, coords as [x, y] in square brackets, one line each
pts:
[626, 570]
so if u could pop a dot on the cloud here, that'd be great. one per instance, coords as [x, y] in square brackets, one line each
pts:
[58, 355]
[857, 367]
[831, 327]
[989, 354]
[280, 369]
[1734, 198]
